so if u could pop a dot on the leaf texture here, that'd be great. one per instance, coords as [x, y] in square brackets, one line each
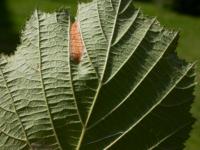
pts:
[128, 91]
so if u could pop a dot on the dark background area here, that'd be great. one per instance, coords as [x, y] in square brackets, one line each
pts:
[8, 37]
[191, 7]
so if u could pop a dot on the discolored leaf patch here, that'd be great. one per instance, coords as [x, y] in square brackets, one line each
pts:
[76, 43]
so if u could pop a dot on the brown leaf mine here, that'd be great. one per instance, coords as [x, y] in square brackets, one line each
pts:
[76, 43]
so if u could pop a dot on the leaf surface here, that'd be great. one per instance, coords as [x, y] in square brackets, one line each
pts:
[129, 90]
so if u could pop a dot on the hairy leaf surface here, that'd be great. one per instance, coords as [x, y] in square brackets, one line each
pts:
[128, 91]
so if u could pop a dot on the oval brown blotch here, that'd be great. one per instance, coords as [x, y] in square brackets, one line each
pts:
[76, 43]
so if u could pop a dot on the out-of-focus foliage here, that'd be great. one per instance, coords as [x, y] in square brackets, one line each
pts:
[20, 10]
[7, 34]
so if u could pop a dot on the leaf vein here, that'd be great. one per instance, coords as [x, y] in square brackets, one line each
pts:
[151, 109]
[42, 82]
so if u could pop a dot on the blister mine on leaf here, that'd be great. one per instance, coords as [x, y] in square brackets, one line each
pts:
[77, 47]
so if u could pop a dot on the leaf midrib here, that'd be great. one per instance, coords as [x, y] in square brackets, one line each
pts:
[101, 78]
[137, 85]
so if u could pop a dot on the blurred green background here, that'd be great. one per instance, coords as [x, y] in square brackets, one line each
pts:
[182, 15]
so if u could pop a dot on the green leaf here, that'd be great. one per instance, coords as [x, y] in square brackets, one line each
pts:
[129, 91]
